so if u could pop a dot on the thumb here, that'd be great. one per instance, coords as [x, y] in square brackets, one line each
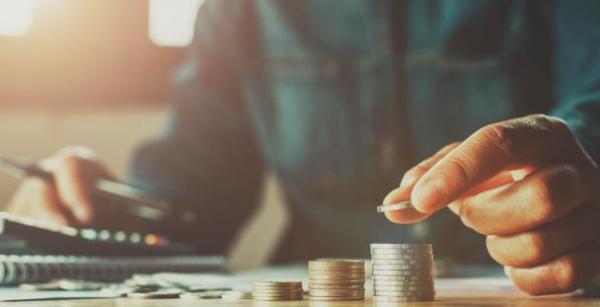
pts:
[405, 216]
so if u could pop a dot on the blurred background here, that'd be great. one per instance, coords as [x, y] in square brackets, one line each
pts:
[96, 73]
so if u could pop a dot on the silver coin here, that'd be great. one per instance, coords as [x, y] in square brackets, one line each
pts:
[349, 295]
[402, 261]
[394, 255]
[402, 246]
[404, 289]
[394, 207]
[409, 298]
[380, 289]
[427, 272]
[401, 252]
[401, 257]
[378, 278]
[403, 267]
[404, 293]
[402, 283]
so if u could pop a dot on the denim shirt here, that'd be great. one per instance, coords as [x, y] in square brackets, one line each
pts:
[339, 98]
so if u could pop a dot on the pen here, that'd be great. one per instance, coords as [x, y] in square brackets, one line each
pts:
[139, 202]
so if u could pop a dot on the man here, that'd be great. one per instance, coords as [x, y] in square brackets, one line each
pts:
[339, 98]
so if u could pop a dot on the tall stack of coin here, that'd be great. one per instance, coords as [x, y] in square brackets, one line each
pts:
[277, 291]
[336, 280]
[402, 272]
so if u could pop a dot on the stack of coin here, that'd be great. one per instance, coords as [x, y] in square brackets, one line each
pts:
[277, 291]
[336, 280]
[402, 272]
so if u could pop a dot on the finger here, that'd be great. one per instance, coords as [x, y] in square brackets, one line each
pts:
[43, 203]
[541, 197]
[536, 246]
[560, 275]
[501, 179]
[403, 192]
[524, 141]
[73, 181]
[405, 216]
[19, 201]
[412, 175]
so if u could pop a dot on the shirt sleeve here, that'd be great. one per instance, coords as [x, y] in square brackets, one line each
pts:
[207, 161]
[577, 68]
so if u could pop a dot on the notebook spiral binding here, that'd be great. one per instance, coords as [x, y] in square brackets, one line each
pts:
[17, 269]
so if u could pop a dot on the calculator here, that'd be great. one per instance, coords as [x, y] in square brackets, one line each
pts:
[27, 236]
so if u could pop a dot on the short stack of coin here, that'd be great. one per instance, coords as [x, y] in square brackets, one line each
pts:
[336, 280]
[277, 291]
[402, 272]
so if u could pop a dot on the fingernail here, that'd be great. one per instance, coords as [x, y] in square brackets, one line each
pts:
[81, 214]
[429, 196]
[507, 271]
[406, 180]
[466, 222]
[464, 217]
[388, 198]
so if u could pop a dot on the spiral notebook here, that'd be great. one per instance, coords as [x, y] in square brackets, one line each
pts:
[17, 269]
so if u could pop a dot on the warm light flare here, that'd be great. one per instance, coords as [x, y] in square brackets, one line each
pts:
[16, 17]
[172, 21]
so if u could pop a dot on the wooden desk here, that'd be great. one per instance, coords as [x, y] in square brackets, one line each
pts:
[454, 299]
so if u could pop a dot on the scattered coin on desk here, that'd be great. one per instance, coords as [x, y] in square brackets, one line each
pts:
[336, 280]
[203, 295]
[402, 272]
[277, 291]
[47, 286]
[158, 294]
[206, 289]
[81, 285]
[236, 295]
[65, 284]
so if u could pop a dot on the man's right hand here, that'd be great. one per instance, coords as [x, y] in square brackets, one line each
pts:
[67, 201]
